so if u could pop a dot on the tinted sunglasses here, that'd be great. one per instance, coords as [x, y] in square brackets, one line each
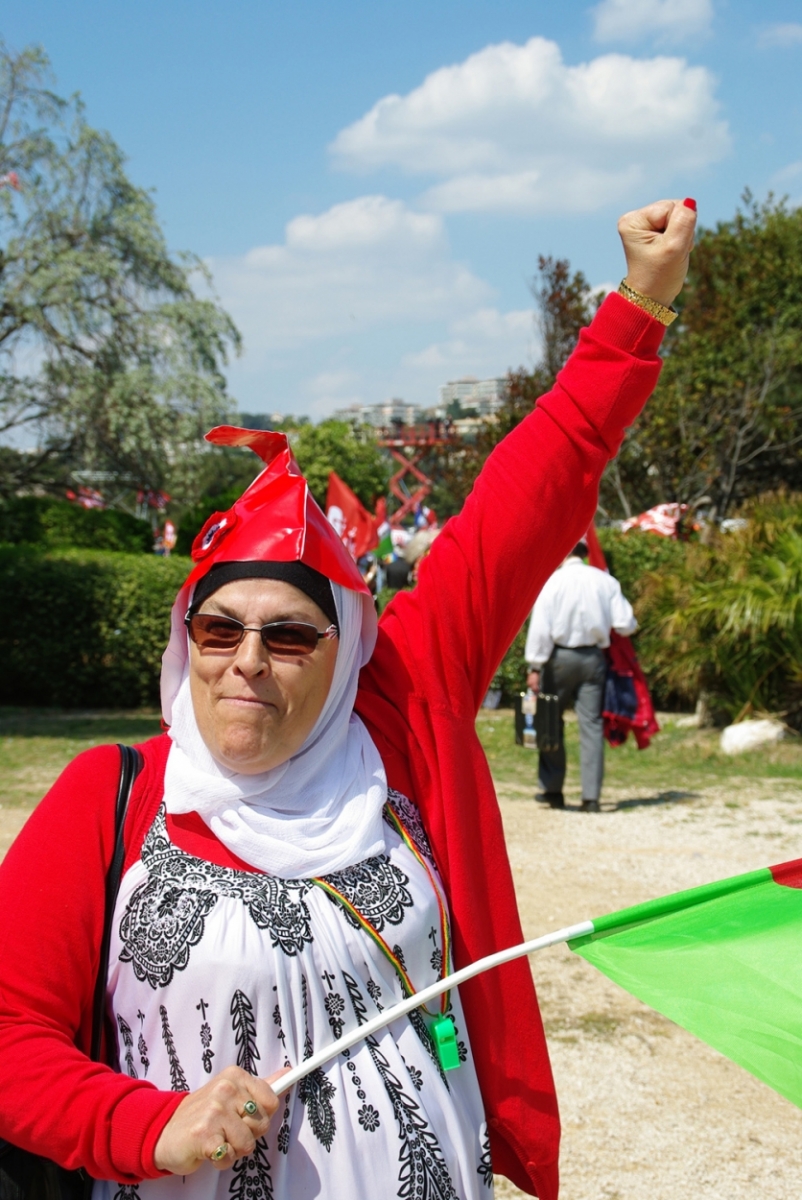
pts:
[209, 631]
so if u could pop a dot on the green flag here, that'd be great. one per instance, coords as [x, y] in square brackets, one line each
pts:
[724, 961]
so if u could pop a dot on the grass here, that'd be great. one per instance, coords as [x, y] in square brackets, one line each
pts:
[36, 744]
[678, 759]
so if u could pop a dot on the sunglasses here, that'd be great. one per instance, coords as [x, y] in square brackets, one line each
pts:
[212, 632]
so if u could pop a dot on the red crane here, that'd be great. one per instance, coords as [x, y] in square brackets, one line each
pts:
[418, 439]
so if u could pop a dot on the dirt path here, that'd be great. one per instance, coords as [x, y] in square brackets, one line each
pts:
[649, 1113]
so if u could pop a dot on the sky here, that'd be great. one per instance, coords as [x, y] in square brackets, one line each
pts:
[371, 184]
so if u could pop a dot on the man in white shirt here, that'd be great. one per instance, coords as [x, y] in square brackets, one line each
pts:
[568, 633]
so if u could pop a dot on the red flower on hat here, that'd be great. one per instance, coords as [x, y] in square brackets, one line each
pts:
[218, 526]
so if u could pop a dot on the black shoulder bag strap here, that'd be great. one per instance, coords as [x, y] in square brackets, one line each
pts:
[130, 766]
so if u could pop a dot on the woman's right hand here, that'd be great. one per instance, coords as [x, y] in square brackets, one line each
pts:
[215, 1115]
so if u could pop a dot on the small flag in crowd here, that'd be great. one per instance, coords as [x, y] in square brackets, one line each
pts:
[722, 961]
[665, 519]
[10, 179]
[350, 518]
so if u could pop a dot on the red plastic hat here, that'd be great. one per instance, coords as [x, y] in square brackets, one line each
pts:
[276, 519]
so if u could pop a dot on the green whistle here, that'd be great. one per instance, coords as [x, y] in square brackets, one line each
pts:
[445, 1040]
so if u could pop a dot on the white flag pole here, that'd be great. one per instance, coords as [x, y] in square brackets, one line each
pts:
[423, 997]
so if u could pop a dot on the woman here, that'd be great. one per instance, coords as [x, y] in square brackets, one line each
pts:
[312, 837]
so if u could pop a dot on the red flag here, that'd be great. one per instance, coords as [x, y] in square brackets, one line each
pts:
[350, 518]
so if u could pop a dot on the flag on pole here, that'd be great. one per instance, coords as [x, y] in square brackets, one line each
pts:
[350, 518]
[723, 961]
[383, 531]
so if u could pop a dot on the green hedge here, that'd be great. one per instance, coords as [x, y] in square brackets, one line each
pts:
[83, 628]
[632, 556]
[46, 521]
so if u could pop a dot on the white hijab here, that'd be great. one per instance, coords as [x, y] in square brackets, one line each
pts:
[318, 812]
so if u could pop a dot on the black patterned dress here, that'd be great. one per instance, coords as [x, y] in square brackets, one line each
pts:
[211, 966]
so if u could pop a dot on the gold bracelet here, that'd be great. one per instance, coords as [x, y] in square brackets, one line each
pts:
[653, 307]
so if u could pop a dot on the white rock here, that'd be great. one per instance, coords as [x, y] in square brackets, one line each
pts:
[748, 735]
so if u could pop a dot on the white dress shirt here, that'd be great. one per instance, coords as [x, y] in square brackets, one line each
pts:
[578, 606]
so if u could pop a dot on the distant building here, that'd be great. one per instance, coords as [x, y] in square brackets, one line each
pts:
[380, 415]
[486, 396]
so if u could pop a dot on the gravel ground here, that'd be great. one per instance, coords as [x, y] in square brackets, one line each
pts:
[648, 1111]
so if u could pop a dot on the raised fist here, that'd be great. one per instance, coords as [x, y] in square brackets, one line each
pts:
[658, 241]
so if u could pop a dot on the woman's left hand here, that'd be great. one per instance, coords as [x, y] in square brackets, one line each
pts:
[658, 241]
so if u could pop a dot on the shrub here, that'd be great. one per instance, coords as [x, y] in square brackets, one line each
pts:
[632, 556]
[84, 628]
[728, 620]
[47, 521]
[510, 678]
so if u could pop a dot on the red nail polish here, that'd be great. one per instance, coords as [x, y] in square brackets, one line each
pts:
[689, 203]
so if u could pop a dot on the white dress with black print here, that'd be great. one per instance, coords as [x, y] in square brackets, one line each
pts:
[212, 966]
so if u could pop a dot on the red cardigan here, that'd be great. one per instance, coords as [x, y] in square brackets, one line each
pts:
[437, 651]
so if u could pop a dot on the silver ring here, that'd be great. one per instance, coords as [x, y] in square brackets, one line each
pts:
[219, 1154]
[250, 1108]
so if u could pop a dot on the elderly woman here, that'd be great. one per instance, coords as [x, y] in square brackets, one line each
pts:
[315, 837]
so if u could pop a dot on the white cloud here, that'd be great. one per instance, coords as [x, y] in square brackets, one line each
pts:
[483, 343]
[669, 21]
[788, 174]
[367, 262]
[513, 128]
[331, 389]
[784, 36]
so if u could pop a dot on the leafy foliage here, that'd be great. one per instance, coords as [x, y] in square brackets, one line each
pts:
[47, 522]
[349, 450]
[632, 557]
[124, 359]
[727, 621]
[84, 628]
[726, 420]
[510, 678]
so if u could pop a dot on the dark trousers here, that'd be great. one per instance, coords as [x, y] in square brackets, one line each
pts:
[577, 676]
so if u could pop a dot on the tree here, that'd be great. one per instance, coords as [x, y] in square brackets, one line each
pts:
[107, 355]
[726, 420]
[349, 450]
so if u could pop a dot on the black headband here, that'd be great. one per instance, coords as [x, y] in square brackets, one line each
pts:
[309, 581]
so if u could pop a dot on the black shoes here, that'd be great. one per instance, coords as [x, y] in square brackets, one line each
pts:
[553, 799]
